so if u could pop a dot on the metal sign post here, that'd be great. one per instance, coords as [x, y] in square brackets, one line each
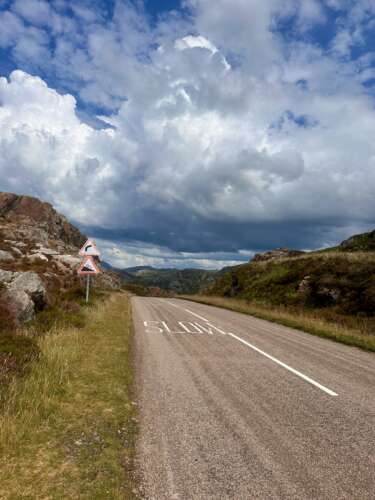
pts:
[87, 288]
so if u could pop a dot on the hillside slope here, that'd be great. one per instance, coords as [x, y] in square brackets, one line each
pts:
[330, 293]
[364, 242]
[341, 281]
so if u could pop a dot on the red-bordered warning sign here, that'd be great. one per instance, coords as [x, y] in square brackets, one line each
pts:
[89, 248]
[88, 267]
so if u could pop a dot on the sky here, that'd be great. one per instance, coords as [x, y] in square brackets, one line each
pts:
[192, 133]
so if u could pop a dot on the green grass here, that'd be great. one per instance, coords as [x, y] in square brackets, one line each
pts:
[67, 428]
[305, 321]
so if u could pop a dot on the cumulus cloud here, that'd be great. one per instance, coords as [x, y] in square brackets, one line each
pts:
[46, 150]
[217, 134]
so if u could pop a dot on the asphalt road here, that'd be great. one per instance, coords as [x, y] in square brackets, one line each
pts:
[233, 407]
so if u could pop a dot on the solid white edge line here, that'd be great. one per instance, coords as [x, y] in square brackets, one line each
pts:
[287, 367]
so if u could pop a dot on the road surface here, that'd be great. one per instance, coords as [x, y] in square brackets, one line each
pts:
[233, 407]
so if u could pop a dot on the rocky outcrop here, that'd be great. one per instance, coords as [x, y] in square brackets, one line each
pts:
[5, 276]
[34, 237]
[24, 218]
[38, 257]
[279, 253]
[69, 261]
[305, 287]
[313, 292]
[31, 284]
[20, 306]
[24, 292]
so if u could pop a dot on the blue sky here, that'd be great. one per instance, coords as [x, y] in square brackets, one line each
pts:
[207, 130]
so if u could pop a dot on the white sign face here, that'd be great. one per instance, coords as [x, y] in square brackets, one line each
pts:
[88, 267]
[89, 248]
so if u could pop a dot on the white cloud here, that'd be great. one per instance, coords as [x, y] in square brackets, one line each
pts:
[46, 150]
[191, 42]
[195, 147]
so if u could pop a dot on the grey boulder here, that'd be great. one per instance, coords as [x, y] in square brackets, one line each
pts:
[6, 276]
[37, 257]
[30, 283]
[21, 306]
[5, 256]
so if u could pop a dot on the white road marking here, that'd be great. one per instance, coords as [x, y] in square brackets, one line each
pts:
[166, 326]
[153, 328]
[287, 367]
[182, 324]
[162, 326]
[272, 358]
[188, 310]
[197, 315]
[206, 328]
[198, 327]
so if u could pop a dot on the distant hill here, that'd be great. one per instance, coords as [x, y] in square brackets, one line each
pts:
[172, 280]
[138, 269]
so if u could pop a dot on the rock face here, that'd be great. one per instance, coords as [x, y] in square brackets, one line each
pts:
[24, 292]
[69, 261]
[37, 257]
[20, 306]
[5, 276]
[27, 218]
[31, 284]
[279, 253]
[305, 287]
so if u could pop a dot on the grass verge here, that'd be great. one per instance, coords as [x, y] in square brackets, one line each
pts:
[300, 320]
[67, 428]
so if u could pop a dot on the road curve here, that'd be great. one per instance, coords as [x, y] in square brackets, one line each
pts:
[233, 407]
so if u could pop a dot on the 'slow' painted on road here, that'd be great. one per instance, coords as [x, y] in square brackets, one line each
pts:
[182, 327]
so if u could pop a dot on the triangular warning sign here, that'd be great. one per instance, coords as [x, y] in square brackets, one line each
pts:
[89, 248]
[88, 267]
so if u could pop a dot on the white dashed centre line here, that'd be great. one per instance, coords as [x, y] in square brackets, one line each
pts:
[188, 310]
